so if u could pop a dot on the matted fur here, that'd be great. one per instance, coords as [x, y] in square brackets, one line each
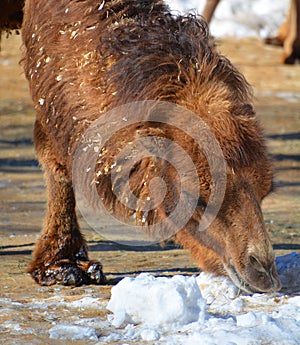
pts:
[83, 58]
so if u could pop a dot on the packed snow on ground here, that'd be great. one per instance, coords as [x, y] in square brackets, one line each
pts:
[201, 309]
[187, 310]
[205, 310]
[239, 18]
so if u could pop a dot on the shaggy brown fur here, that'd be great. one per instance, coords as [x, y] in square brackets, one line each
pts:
[83, 58]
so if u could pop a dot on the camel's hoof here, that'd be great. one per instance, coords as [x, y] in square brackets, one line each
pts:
[70, 273]
[95, 274]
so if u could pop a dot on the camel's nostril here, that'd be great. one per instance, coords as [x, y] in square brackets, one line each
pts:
[275, 279]
[256, 277]
[276, 284]
[264, 273]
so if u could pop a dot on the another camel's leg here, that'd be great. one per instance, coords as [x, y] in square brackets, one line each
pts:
[291, 45]
[209, 9]
[281, 35]
[288, 34]
[60, 255]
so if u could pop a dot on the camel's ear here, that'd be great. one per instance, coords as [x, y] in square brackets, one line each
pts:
[245, 110]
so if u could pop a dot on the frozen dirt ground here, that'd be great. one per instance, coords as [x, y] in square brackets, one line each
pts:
[28, 312]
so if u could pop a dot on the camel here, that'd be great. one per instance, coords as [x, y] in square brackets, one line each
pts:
[84, 59]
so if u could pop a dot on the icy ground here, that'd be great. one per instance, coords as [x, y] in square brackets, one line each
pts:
[180, 310]
[238, 18]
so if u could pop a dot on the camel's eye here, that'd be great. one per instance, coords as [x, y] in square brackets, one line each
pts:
[253, 260]
[256, 264]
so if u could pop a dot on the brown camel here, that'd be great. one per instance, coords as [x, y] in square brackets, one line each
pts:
[85, 58]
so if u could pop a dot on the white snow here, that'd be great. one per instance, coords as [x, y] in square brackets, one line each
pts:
[178, 297]
[73, 332]
[195, 310]
[239, 18]
[205, 310]
[288, 266]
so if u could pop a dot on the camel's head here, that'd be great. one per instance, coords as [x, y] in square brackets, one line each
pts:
[237, 243]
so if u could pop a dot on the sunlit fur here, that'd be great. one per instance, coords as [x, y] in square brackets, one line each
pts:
[83, 58]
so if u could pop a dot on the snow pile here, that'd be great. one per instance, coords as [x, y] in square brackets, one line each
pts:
[157, 302]
[220, 293]
[168, 311]
[174, 311]
[239, 18]
[288, 267]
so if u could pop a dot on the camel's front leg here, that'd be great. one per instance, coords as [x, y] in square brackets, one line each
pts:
[61, 255]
